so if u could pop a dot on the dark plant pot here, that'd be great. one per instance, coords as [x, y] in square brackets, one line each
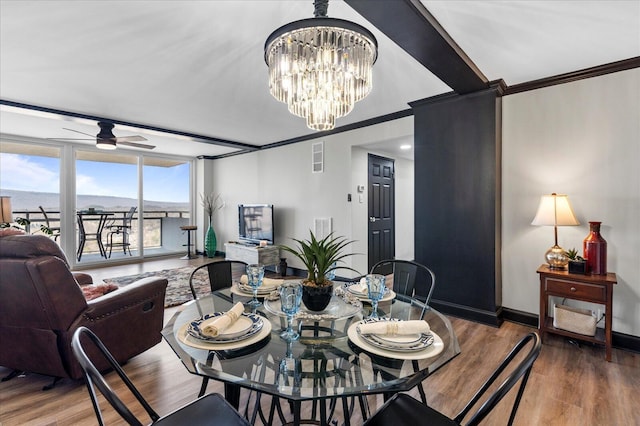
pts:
[316, 298]
[577, 266]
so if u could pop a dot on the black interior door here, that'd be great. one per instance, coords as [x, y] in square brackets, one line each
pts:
[381, 209]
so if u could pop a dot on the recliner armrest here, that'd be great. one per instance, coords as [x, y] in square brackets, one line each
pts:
[131, 294]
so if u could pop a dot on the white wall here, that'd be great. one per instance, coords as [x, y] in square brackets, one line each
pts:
[282, 177]
[580, 139]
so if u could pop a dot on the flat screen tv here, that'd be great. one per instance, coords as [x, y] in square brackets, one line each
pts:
[255, 223]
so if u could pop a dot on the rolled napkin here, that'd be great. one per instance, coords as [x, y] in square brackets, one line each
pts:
[214, 326]
[360, 287]
[266, 282]
[395, 328]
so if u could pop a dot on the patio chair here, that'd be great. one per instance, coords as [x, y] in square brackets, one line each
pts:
[54, 229]
[123, 229]
[209, 409]
[402, 409]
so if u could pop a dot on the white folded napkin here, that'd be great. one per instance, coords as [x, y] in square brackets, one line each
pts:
[360, 287]
[214, 326]
[266, 282]
[395, 328]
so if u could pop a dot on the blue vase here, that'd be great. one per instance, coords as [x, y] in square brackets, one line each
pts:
[210, 242]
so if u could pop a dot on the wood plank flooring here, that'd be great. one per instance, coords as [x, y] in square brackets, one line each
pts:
[570, 385]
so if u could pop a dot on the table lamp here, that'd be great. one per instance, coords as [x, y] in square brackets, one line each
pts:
[5, 211]
[555, 210]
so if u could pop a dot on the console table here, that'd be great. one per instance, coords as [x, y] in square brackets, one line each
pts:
[267, 256]
[587, 288]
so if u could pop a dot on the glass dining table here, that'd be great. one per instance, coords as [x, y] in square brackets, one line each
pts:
[328, 363]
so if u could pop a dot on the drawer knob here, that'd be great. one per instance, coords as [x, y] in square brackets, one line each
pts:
[573, 289]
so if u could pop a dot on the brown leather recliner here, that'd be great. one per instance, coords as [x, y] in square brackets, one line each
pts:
[41, 305]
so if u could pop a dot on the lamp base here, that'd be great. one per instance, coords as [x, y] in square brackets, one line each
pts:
[556, 257]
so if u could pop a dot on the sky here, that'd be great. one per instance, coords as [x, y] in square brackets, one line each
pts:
[42, 174]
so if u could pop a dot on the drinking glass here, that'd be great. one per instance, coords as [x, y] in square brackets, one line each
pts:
[290, 298]
[255, 274]
[376, 290]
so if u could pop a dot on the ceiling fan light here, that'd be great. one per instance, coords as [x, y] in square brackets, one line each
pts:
[106, 144]
[320, 67]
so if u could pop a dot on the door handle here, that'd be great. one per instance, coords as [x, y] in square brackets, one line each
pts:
[372, 219]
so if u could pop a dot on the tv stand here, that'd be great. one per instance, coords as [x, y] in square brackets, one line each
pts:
[249, 253]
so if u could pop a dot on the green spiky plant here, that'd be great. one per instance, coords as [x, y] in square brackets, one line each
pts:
[573, 255]
[320, 256]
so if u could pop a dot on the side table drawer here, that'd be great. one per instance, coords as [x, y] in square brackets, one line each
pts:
[573, 289]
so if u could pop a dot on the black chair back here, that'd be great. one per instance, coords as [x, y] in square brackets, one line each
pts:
[403, 410]
[222, 274]
[209, 409]
[93, 378]
[409, 278]
[520, 371]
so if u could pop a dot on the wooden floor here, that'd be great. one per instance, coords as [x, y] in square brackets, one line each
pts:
[570, 385]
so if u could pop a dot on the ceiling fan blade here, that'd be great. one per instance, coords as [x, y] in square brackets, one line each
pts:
[82, 133]
[137, 145]
[133, 138]
[71, 139]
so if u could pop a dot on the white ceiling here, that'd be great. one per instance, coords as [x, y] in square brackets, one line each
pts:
[197, 66]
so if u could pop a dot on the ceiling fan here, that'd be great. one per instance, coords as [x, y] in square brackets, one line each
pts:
[105, 139]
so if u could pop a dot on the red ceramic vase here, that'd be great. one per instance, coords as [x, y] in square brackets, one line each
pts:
[594, 249]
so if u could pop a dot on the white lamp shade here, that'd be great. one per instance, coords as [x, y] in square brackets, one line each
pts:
[554, 209]
[5, 210]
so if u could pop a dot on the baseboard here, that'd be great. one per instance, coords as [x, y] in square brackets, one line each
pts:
[520, 317]
[623, 341]
[466, 312]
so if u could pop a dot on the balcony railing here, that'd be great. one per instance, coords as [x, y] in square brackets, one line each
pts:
[161, 231]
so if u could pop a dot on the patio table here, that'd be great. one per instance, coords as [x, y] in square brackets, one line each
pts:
[84, 236]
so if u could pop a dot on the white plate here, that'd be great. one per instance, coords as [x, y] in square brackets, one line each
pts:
[429, 352]
[414, 343]
[244, 327]
[244, 290]
[184, 337]
[364, 296]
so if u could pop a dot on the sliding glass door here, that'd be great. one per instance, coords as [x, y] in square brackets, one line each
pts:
[166, 205]
[103, 205]
[106, 192]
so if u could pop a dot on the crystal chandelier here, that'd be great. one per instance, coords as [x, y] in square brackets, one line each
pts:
[320, 67]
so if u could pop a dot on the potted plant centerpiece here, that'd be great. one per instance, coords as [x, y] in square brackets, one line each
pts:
[577, 263]
[320, 257]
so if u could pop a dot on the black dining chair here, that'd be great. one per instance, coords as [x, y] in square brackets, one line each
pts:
[207, 410]
[410, 278]
[402, 409]
[412, 282]
[220, 274]
[55, 230]
[120, 227]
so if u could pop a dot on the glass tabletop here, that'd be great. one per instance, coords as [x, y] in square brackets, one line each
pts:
[324, 363]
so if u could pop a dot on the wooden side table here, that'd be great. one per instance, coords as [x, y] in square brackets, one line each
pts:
[587, 288]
